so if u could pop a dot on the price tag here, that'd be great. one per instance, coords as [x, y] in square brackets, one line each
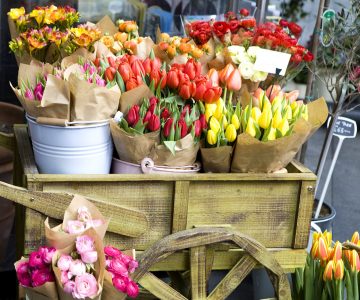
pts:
[273, 62]
[344, 128]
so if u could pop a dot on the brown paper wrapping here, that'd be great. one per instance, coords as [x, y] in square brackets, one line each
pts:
[91, 102]
[58, 238]
[45, 292]
[185, 153]
[109, 291]
[56, 98]
[244, 95]
[161, 54]
[143, 49]
[252, 155]
[74, 57]
[133, 147]
[134, 96]
[99, 266]
[216, 160]
[107, 26]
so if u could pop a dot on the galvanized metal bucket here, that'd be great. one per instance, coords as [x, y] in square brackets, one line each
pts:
[84, 149]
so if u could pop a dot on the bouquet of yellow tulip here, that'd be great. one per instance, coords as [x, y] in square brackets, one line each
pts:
[330, 268]
[223, 124]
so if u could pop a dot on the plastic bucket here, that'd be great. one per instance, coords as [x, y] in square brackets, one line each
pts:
[73, 149]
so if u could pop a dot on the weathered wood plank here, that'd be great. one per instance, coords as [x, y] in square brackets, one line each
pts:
[159, 288]
[25, 149]
[127, 222]
[299, 167]
[181, 197]
[304, 213]
[7, 141]
[233, 279]
[209, 260]
[198, 272]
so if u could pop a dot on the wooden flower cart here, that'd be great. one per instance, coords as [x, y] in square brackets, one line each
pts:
[180, 223]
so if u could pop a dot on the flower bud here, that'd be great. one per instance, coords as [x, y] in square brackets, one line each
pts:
[250, 127]
[198, 128]
[323, 252]
[133, 115]
[265, 118]
[328, 272]
[339, 270]
[167, 127]
[235, 121]
[154, 123]
[283, 126]
[230, 133]
[272, 134]
[233, 83]
[288, 113]
[355, 238]
[211, 137]
[255, 113]
[354, 261]
[214, 125]
[277, 118]
[336, 253]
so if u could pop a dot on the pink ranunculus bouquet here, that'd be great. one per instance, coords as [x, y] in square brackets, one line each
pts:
[79, 272]
[118, 283]
[36, 276]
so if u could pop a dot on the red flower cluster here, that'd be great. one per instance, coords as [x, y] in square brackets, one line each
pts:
[200, 32]
[187, 80]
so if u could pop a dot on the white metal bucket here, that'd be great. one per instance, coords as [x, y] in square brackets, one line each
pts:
[73, 149]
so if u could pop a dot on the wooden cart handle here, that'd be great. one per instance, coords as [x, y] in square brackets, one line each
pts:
[123, 220]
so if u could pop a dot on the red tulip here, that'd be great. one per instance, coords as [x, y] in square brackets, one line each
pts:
[167, 127]
[163, 79]
[137, 68]
[133, 115]
[202, 120]
[112, 62]
[147, 116]
[183, 127]
[172, 79]
[131, 84]
[152, 107]
[165, 114]
[295, 29]
[110, 73]
[147, 65]
[155, 76]
[233, 83]
[183, 78]
[153, 100]
[212, 95]
[192, 69]
[187, 90]
[283, 23]
[125, 71]
[132, 58]
[154, 123]
[198, 128]
[199, 92]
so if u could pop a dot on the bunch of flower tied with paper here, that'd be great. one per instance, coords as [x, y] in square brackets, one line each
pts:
[331, 270]
[273, 126]
[35, 274]
[43, 92]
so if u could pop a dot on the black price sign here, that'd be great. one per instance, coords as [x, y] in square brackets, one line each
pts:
[345, 128]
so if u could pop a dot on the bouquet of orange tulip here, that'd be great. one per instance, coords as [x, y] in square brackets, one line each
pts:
[330, 269]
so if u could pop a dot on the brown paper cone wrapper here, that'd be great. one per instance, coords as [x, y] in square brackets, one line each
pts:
[252, 155]
[133, 148]
[107, 26]
[161, 54]
[143, 49]
[185, 153]
[102, 51]
[91, 102]
[99, 266]
[109, 291]
[133, 97]
[74, 57]
[216, 160]
[58, 238]
[244, 95]
[45, 292]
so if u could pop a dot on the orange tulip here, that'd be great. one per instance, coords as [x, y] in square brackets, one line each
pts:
[323, 253]
[163, 46]
[259, 93]
[339, 270]
[225, 73]
[315, 249]
[274, 90]
[292, 96]
[233, 83]
[354, 261]
[355, 238]
[328, 272]
[336, 253]
[213, 75]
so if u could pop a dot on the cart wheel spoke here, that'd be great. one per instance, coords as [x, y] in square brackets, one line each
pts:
[198, 272]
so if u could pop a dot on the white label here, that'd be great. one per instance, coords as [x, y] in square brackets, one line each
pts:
[268, 61]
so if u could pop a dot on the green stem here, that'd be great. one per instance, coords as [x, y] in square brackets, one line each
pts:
[230, 97]
[225, 92]
[355, 284]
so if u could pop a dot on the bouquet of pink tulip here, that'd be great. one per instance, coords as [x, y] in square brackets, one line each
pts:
[117, 282]
[79, 271]
[36, 276]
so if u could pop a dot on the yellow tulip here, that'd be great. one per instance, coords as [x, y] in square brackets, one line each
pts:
[276, 103]
[211, 137]
[265, 118]
[355, 238]
[284, 126]
[16, 13]
[38, 15]
[230, 133]
[339, 270]
[277, 118]
[272, 134]
[250, 128]
[214, 125]
[328, 272]
[288, 112]
[218, 113]
[210, 107]
[294, 105]
[255, 113]
[224, 122]
[208, 114]
[235, 121]
[266, 105]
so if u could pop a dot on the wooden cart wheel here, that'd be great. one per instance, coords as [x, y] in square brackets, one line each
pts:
[199, 241]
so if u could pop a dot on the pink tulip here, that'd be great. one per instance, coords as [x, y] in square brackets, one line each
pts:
[38, 91]
[29, 94]
[233, 83]
[85, 286]
[213, 75]
[292, 96]
[84, 243]
[64, 262]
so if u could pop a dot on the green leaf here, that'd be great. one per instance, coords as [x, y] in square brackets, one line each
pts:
[171, 146]
[140, 126]
[152, 54]
[120, 82]
[177, 132]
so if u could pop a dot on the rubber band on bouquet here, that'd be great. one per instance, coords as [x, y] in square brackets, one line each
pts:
[327, 26]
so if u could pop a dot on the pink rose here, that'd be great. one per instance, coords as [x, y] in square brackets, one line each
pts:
[132, 289]
[69, 287]
[64, 277]
[118, 267]
[64, 262]
[133, 264]
[75, 227]
[83, 214]
[85, 286]
[84, 243]
[111, 251]
[36, 261]
[47, 253]
[24, 279]
[120, 283]
[89, 257]
[41, 276]
[93, 223]
[22, 267]
[77, 267]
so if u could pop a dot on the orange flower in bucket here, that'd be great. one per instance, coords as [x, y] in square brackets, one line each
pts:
[328, 272]
[233, 83]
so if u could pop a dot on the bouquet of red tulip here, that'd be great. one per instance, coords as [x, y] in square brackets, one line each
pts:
[35, 274]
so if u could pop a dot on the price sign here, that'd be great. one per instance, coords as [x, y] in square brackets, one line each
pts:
[272, 62]
[345, 128]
